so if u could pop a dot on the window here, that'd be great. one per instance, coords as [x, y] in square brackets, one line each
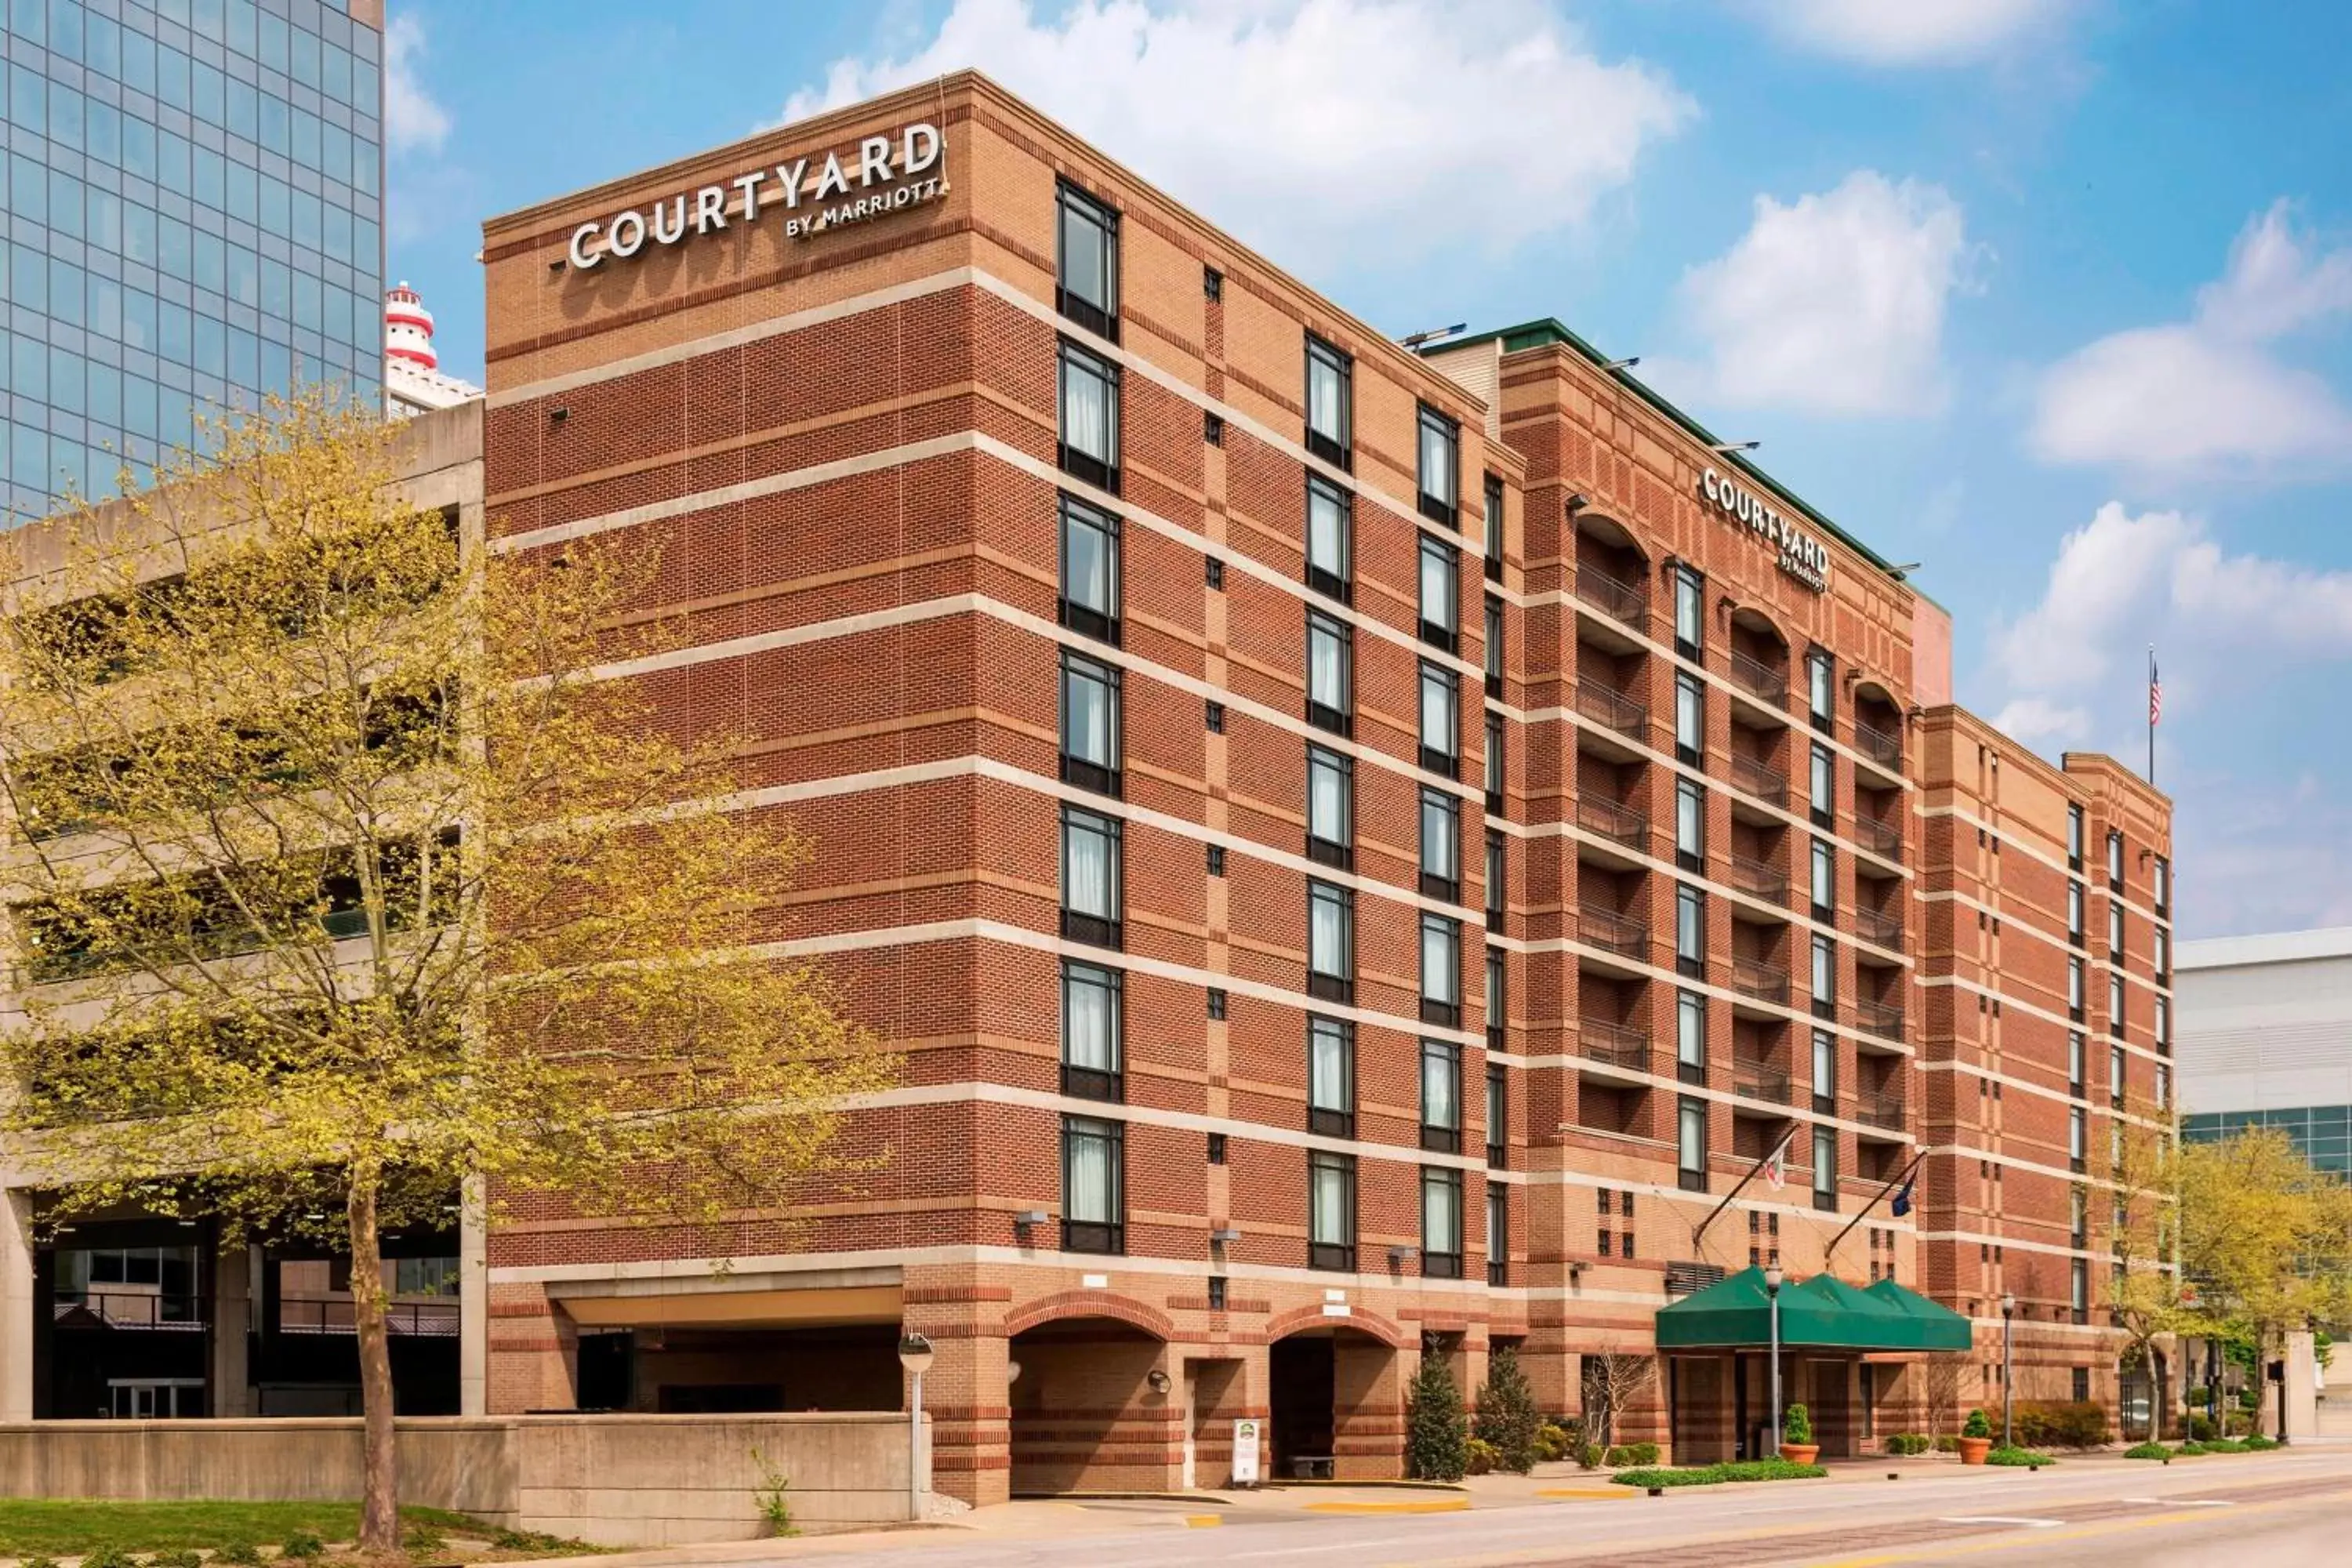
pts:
[1440, 845]
[1690, 717]
[2160, 887]
[1441, 583]
[1216, 572]
[1213, 283]
[1824, 976]
[2077, 1125]
[2076, 1000]
[1825, 1072]
[1217, 1282]
[1330, 1077]
[1090, 878]
[1213, 715]
[1441, 969]
[1330, 401]
[1690, 932]
[1690, 611]
[2115, 1074]
[1330, 943]
[1213, 429]
[1498, 1235]
[1441, 1097]
[2114, 931]
[1090, 1032]
[2078, 1298]
[2163, 1022]
[2163, 1087]
[1824, 880]
[1441, 446]
[1825, 1176]
[1331, 540]
[1330, 1211]
[1494, 540]
[1090, 726]
[1440, 1222]
[1089, 444]
[1690, 824]
[2074, 832]
[1498, 869]
[1093, 1185]
[1497, 1097]
[1494, 762]
[1217, 1003]
[2115, 1003]
[1690, 1037]
[1331, 808]
[1441, 721]
[1823, 797]
[1330, 681]
[1087, 264]
[1497, 999]
[1690, 1144]
[1089, 601]
[1216, 1148]
[2076, 1048]
[2075, 925]
[2080, 1210]
[1216, 859]
[2161, 941]
[1820, 692]
[1492, 648]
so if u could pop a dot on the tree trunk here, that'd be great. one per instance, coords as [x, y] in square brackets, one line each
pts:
[380, 1500]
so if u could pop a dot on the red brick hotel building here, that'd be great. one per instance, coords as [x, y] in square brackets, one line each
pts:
[1362, 851]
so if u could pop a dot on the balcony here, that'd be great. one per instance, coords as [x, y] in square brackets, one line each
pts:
[1612, 820]
[1613, 710]
[1886, 931]
[1878, 745]
[1754, 1080]
[1612, 597]
[1752, 778]
[1759, 980]
[1880, 1019]
[1883, 839]
[129, 1309]
[1613, 1045]
[1613, 933]
[1879, 1108]
[1760, 680]
[1761, 878]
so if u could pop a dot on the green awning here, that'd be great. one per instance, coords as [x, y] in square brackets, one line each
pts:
[1823, 1312]
[1944, 1328]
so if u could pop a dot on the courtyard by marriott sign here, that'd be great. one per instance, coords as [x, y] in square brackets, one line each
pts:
[1803, 556]
[888, 174]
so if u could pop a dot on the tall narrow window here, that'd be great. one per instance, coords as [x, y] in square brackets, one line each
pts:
[2075, 930]
[1492, 648]
[1441, 970]
[1089, 444]
[2115, 1003]
[1330, 401]
[1690, 1037]
[1690, 932]
[1093, 1185]
[2163, 1022]
[1498, 1108]
[2114, 931]
[2079, 1207]
[2076, 1000]
[1825, 1074]
[1496, 867]
[1441, 447]
[1824, 976]
[2115, 1074]
[1331, 540]
[1440, 1222]
[1330, 1077]
[2163, 1087]
[1331, 1211]
[1090, 878]
[1690, 1144]
[2077, 1126]
[1497, 999]
[1331, 808]
[2078, 1290]
[1823, 777]
[1494, 540]
[1826, 1171]
[1498, 1233]
[1494, 762]
[1087, 268]
[1824, 880]
[1090, 725]
[1440, 845]
[1690, 824]
[1820, 689]
[2161, 954]
[1441, 1097]
[2076, 1048]
[1441, 721]
[2115, 859]
[1330, 943]
[2161, 886]
[1330, 678]
[1690, 612]
[1090, 1031]
[1089, 600]
[2074, 833]
[1690, 717]
[1441, 593]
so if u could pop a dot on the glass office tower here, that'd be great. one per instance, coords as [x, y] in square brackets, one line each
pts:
[193, 217]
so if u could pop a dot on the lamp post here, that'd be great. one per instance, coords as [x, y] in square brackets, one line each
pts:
[1773, 1294]
[915, 1354]
[2008, 1379]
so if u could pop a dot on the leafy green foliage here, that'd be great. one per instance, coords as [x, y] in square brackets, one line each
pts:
[2016, 1456]
[1797, 1424]
[1437, 1433]
[1508, 1419]
[2148, 1451]
[1716, 1475]
[2061, 1424]
[1977, 1426]
[1630, 1454]
[301, 1545]
[1481, 1457]
[1907, 1443]
[1551, 1443]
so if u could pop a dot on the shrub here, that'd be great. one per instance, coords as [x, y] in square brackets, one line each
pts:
[1624, 1454]
[2148, 1451]
[1508, 1419]
[108, 1555]
[1977, 1426]
[37, 1562]
[1907, 1443]
[537, 1540]
[1438, 1434]
[237, 1553]
[300, 1547]
[1797, 1424]
[1551, 1442]
[1716, 1475]
[2257, 1443]
[2061, 1424]
[1589, 1455]
[2219, 1446]
[2199, 1427]
[423, 1541]
[2191, 1447]
[2018, 1456]
[1480, 1456]
[180, 1558]
[1945, 1443]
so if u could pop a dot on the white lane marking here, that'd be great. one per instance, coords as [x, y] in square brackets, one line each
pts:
[2001, 1519]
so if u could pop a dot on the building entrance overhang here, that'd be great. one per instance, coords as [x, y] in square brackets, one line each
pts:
[1823, 1312]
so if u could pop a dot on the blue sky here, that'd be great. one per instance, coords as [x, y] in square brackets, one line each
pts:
[2050, 295]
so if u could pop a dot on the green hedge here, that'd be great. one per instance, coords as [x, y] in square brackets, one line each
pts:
[1625, 1454]
[2060, 1423]
[2257, 1444]
[2019, 1456]
[1716, 1475]
[1907, 1443]
[2148, 1451]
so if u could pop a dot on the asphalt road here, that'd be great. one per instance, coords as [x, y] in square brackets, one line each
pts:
[2281, 1511]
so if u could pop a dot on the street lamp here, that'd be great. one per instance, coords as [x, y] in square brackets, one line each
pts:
[915, 1354]
[1773, 1294]
[2008, 1308]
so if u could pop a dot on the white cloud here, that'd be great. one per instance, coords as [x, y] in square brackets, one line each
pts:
[1836, 302]
[413, 120]
[1332, 130]
[2210, 395]
[2035, 721]
[1910, 32]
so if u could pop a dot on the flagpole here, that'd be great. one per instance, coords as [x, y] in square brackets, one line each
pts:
[2151, 714]
[1831, 1250]
[1699, 1232]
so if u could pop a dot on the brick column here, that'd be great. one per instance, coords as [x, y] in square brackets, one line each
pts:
[531, 1352]
[15, 1305]
[965, 1393]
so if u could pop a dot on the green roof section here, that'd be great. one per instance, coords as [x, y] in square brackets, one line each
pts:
[1548, 330]
[1949, 1331]
[1823, 1312]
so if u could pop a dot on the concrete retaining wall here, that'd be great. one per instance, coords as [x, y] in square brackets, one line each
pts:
[616, 1480]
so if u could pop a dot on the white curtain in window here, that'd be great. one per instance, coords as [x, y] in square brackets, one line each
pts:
[1086, 869]
[1085, 408]
[1436, 462]
[1437, 594]
[1326, 802]
[1824, 876]
[1326, 532]
[1496, 1006]
[1437, 960]
[1437, 723]
[1691, 1149]
[1088, 1179]
[1440, 1096]
[1326, 937]
[1087, 564]
[1690, 819]
[1825, 970]
[1327, 1069]
[1825, 781]
[1088, 1019]
[1329, 1216]
[1327, 669]
[1824, 1062]
[1690, 726]
[1690, 1029]
[1441, 1214]
[1690, 926]
[1323, 406]
[1439, 836]
[1086, 715]
[1824, 1161]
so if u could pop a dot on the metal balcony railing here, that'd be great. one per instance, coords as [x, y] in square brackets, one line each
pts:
[1613, 709]
[1761, 878]
[1613, 932]
[1613, 1045]
[1759, 981]
[1760, 679]
[1879, 1109]
[1612, 820]
[1751, 777]
[179, 1313]
[1611, 596]
[1877, 744]
[1881, 838]
[1886, 931]
[1754, 1080]
[1879, 1020]
[330, 1315]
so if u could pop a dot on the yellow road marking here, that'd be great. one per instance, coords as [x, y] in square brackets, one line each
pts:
[2043, 1537]
[1440, 1505]
[1202, 1520]
[1587, 1491]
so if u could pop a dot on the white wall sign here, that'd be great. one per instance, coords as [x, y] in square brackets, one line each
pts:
[891, 173]
[1803, 556]
[1246, 1435]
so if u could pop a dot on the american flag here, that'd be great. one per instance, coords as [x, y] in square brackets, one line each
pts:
[2154, 693]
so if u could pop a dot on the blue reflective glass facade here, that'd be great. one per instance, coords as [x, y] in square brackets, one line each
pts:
[190, 215]
[2324, 1133]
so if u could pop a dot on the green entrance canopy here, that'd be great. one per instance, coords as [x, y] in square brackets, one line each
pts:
[1822, 1314]
[1944, 1328]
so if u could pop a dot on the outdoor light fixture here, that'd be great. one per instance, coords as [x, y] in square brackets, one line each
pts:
[1400, 1256]
[2008, 1398]
[1414, 340]
[1723, 448]
[1225, 1236]
[915, 1354]
[1158, 1380]
[1577, 503]
[1025, 1218]
[559, 414]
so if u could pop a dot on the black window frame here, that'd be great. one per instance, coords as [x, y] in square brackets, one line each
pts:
[1089, 467]
[1337, 1256]
[1433, 1009]
[1109, 1085]
[1085, 773]
[1339, 452]
[1332, 987]
[1492, 539]
[1690, 1004]
[1823, 855]
[1088, 620]
[1072, 203]
[1690, 1177]
[1437, 1264]
[1498, 872]
[2078, 836]
[1825, 1000]
[1436, 881]
[1498, 1233]
[1490, 649]
[1825, 1193]
[1495, 779]
[1339, 853]
[1692, 752]
[1438, 1137]
[1096, 931]
[1494, 997]
[1447, 762]
[1819, 756]
[1690, 798]
[1341, 720]
[1691, 966]
[1107, 1237]
[1328, 1121]
[1690, 589]
[1340, 585]
[1446, 635]
[1445, 508]
[1498, 1114]
[1822, 717]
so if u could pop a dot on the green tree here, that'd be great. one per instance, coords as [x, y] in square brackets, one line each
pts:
[350, 874]
[1507, 1417]
[2146, 1296]
[1438, 1434]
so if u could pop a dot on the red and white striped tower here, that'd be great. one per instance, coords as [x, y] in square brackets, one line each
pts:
[413, 379]
[408, 329]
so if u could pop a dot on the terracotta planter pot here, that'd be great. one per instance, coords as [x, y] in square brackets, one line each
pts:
[1801, 1453]
[1973, 1449]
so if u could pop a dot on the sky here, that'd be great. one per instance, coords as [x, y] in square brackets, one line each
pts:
[2053, 296]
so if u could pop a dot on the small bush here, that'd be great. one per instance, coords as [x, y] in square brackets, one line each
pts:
[2018, 1456]
[2191, 1449]
[235, 1554]
[1482, 1457]
[2199, 1427]
[1908, 1443]
[1977, 1425]
[2061, 1424]
[37, 1562]
[1716, 1475]
[1551, 1442]
[1797, 1424]
[1624, 1454]
[1945, 1443]
[2223, 1445]
[181, 1558]
[301, 1547]
[535, 1541]
[423, 1541]
[2148, 1451]
[2257, 1443]
[108, 1555]
[1589, 1455]
[1437, 1430]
